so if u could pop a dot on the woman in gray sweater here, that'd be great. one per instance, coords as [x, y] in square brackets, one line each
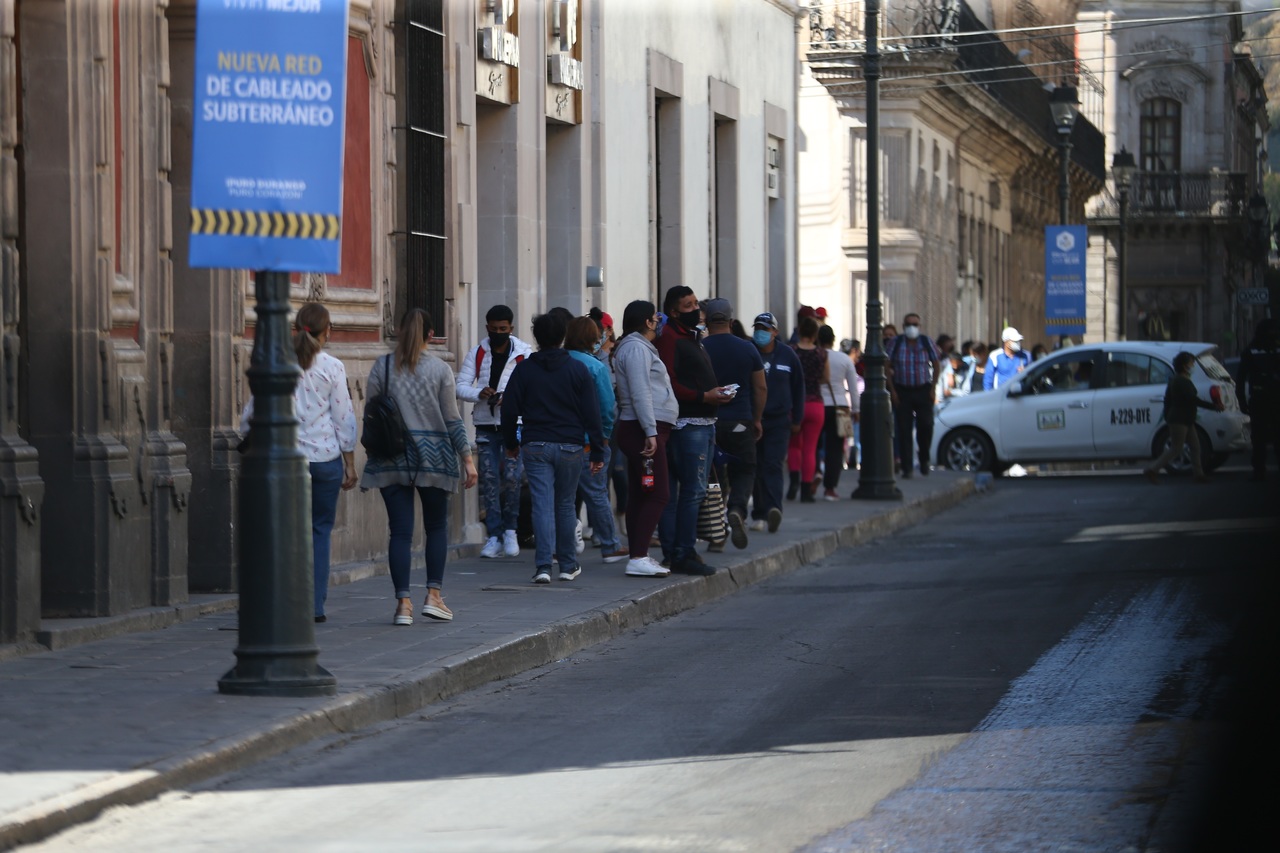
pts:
[647, 410]
[422, 386]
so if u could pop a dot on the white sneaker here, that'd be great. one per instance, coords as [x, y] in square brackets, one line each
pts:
[492, 548]
[577, 538]
[1016, 470]
[759, 525]
[510, 545]
[646, 567]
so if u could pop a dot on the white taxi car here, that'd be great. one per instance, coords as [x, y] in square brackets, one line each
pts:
[1087, 403]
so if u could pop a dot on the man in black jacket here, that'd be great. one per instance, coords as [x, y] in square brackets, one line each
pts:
[1259, 386]
[554, 398]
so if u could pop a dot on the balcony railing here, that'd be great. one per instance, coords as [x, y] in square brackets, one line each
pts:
[1179, 194]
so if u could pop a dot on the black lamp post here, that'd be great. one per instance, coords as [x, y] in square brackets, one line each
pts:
[875, 481]
[1065, 106]
[1122, 169]
[1259, 224]
[276, 654]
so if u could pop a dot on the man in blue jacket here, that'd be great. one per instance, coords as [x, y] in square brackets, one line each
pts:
[1006, 364]
[783, 413]
[555, 399]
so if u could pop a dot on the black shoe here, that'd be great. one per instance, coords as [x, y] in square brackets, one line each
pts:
[924, 469]
[774, 519]
[738, 529]
[322, 619]
[794, 488]
[906, 473]
[692, 565]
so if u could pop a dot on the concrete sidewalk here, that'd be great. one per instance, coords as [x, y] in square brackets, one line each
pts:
[121, 719]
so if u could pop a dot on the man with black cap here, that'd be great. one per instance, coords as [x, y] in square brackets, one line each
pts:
[782, 416]
[738, 422]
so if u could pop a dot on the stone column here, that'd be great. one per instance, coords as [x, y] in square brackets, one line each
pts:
[167, 484]
[86, 406]
[21, 489]
[208, 319]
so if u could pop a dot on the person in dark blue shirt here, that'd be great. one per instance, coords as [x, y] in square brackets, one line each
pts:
[554, 398]
[738, 422]
[782, 416]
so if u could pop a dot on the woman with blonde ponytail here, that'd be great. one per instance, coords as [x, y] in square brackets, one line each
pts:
[326, 434]
[422, 386]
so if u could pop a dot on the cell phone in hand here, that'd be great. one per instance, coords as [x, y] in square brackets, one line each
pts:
[731, 390]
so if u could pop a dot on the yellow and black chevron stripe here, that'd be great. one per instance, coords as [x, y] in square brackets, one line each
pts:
[260, 223]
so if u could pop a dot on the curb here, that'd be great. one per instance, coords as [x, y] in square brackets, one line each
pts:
[464, 672]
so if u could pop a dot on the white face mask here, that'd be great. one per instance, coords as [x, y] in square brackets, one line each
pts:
[1015, 346]
[912, 332]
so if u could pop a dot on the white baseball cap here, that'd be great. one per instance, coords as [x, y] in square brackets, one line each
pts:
[1011, 334]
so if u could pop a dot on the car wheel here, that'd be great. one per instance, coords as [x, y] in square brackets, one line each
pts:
[968, 450]
[1181, 464]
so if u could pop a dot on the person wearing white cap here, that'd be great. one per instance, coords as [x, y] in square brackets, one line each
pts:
[1008, 362]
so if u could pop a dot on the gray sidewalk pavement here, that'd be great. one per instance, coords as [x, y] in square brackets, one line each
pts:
[120, 719]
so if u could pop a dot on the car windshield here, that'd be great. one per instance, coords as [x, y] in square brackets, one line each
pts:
[1214, 368]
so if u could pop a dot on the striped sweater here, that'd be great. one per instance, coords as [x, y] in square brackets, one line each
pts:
[429, 405]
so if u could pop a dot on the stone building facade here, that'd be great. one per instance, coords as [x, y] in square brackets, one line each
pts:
[530, 152]
[969, 162]
[1186, 100]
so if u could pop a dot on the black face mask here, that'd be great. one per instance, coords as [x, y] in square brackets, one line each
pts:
[499, 341]
[690, 319]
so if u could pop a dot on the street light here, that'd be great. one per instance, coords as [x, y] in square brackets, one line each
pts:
[1122, 169]
[1259, 214]
[1065, 106]
[876, 476]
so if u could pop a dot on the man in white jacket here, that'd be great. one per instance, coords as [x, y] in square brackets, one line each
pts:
[482, 379]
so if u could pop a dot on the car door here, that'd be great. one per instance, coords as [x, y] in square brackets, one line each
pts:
[1051, 415]
[1130, 398]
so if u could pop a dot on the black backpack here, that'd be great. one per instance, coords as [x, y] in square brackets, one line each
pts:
[384, 435]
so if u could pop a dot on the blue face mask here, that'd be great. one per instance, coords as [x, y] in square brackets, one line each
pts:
[761, 337]
[595, 348]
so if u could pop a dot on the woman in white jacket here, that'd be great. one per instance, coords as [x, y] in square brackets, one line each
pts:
[647, 411]
[840, 390]
[326, 434]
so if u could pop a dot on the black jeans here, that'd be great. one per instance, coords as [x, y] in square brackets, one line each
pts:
[738, 477]
[771, 462]
[833, 451]
[914, 409]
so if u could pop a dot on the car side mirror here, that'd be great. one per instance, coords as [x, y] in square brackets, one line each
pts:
[1015, 388]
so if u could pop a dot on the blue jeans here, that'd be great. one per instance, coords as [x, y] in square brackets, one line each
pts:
[594, 491]
[553, 471]
[689, 454]
[326, 483]
[499, 483]
[435, 518]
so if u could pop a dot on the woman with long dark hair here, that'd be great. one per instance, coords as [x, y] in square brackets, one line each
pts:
[423, 388]
[326, 434]
[802, 458]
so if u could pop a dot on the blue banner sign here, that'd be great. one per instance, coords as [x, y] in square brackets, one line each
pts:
[270, 97]
[1064, 279]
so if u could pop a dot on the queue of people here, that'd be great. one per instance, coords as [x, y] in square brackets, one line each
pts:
[684, 396]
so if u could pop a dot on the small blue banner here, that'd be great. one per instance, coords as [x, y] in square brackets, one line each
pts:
[1064, 279]
[270, 97]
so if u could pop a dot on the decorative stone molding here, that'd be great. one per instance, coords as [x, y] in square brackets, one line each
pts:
[1161, 87]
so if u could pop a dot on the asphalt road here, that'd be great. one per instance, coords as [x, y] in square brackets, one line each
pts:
[1063, 664]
